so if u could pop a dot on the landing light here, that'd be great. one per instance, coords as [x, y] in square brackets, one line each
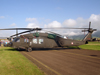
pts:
[65, 37]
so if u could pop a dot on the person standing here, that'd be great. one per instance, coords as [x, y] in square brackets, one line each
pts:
[0, 43]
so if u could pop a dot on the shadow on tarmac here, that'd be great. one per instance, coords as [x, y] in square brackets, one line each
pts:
[46, 49]
[40, 49]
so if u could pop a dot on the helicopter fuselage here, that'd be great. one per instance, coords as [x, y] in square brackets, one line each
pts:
[43, 40]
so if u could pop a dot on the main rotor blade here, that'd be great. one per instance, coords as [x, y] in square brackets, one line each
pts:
[22, 33]
[84, 30]
[64, 28]
[41, 28]
[16, 29]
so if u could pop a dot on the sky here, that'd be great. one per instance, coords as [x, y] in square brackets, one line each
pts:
[49, 13]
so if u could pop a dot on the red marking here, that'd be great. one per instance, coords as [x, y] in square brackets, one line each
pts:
[88, 38]
[24, 37]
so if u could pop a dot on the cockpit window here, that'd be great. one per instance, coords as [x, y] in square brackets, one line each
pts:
[16, 40]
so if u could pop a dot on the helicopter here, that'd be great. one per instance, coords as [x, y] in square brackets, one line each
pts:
[44, 40]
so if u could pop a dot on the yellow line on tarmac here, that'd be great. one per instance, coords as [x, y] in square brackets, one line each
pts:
[79, 54]
[43, 64]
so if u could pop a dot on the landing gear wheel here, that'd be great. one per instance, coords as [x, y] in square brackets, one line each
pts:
[29, 49]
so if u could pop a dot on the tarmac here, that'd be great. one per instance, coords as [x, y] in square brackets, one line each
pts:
[66, 61]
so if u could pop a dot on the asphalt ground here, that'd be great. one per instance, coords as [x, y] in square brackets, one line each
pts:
[66, 61]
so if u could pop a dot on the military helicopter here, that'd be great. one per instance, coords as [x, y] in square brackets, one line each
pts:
[45, 40]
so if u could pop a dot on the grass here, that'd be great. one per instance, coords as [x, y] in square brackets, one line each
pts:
[96, 43]
[91, 46]
[13, 63]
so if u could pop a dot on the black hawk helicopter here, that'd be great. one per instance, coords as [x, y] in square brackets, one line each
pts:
[45, 40]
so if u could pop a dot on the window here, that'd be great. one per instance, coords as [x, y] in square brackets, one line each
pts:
[40, 41]
[35, 41]
[18, 40]
[26, 40]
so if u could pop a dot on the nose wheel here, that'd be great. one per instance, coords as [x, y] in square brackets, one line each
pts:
[29, 49]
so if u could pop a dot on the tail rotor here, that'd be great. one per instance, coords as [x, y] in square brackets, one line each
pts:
[89, 29]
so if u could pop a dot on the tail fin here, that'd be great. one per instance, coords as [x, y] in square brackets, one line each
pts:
[88, 37]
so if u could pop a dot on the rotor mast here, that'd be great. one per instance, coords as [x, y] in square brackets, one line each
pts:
[16, 32]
